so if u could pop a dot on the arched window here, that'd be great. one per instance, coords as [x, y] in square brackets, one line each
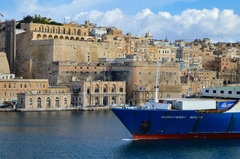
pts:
[69, 31]
[39, 102]
[105, 88]
[39, 36]
[30, 102]
[57, 102]
[48, 102]
[44, 36]
[96, 88]
[88, 91]
[114, 88]
[65, 100]
[47, 29]
[79, 32]
[58, 30]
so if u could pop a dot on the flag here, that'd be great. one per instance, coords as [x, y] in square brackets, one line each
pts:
[1, 15]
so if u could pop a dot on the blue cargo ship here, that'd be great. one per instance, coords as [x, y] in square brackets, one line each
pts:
[185, 118]
[163, 123]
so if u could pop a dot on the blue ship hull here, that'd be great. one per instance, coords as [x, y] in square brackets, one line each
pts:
[158, 124]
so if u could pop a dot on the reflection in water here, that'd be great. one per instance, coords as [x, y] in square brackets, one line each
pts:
[181, 148]
[94, 135]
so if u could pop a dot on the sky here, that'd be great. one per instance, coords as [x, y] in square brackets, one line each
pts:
[218, 20]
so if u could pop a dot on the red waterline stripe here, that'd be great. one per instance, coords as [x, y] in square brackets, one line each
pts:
[180, 136]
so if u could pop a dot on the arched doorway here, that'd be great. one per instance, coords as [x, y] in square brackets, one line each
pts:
[57, 102]
[39, 102]
[48, 102]
[105, 101]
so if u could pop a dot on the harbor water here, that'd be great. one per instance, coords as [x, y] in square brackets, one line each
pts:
[95, 134]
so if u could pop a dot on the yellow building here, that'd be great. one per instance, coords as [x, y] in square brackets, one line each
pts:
[65, 31]
[10, 87]
[56, 98]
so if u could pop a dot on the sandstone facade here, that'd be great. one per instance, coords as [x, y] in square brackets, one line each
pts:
[96, 93]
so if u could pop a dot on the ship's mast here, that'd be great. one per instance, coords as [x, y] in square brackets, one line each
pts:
[156, 84]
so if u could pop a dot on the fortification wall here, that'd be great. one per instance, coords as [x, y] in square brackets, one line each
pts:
[34, 57]
[4, 66]
[2, 41]
[81, 51]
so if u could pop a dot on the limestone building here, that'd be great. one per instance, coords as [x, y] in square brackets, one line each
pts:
[97, 93]
[54, 98]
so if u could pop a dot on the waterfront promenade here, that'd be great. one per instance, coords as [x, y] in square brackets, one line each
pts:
[55, 109]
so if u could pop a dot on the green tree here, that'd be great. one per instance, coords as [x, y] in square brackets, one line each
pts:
[38, 19]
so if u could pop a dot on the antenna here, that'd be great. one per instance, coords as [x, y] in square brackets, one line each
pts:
[156, 84]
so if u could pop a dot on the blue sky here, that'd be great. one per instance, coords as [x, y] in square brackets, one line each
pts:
[177, 19]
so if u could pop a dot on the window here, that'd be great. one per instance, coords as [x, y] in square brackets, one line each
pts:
[30, 101]
[5, 86]
[121, 90]
[39, 102]
[214, 91]
[57, 102]
[105, 88]
[29, 85]
[238, 92]
[65, 100]
[48, 102]
[88, 91]
[9, 86]
[207, 91]
[222, 92]
[114, 88]
[229, 92]
[96, 88]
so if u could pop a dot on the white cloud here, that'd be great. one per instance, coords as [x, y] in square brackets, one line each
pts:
[190, 24]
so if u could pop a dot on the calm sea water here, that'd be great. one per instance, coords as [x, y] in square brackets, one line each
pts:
[51, 135]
